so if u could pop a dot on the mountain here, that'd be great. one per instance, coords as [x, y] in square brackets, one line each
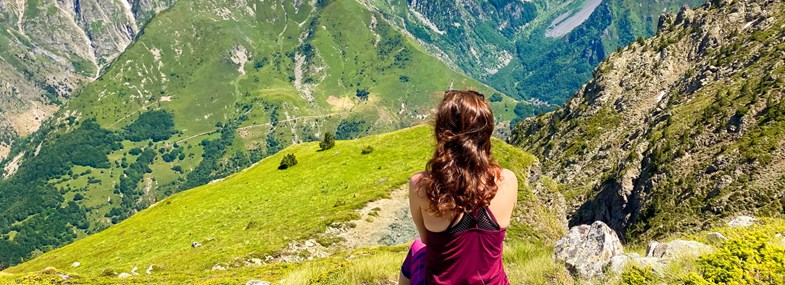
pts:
[207, 89]
[536, 50]
[49, 49]
[246, 224]
[676, 132]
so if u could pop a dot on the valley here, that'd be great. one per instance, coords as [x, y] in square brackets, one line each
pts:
[193, 155]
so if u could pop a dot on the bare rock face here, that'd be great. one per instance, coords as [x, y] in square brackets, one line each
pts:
[587, 249]
[50, 55]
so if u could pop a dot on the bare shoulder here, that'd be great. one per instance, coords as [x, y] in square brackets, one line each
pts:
[414, 181]
[508, 178]
[417, 176]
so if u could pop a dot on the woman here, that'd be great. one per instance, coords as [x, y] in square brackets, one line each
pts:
[463, 202]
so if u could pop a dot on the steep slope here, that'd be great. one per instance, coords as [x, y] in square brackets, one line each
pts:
[247, 222]
[48, 49]
[678, 131]
[210, 88]
[542, 49]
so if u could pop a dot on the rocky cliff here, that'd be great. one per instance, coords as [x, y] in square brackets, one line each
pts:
[678, 131]
[50, 48]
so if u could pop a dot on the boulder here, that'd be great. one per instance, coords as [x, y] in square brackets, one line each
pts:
[195, 244]
[587, 249]
[76, 264]
[742, 221]
[257, 282]
[677, 248]
[716, 237]
[618, 263]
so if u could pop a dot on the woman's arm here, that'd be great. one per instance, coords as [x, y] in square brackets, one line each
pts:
[415, 206]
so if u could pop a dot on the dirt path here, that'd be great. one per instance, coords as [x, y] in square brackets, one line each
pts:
[383, 222]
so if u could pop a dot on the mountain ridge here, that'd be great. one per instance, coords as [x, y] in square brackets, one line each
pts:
[50, 49]
[676, 132]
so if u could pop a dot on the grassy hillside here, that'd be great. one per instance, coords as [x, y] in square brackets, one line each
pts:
[207, 89]
[258, 212]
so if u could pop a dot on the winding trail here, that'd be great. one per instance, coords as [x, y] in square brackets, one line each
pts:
[265, 124]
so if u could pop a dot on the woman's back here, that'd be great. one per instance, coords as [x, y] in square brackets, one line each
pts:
[462, 203]
[466, 248]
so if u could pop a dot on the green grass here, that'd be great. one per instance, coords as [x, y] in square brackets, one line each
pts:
[258, 211]
[182, 64]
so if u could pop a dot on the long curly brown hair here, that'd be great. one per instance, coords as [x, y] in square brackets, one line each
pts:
[462, 174]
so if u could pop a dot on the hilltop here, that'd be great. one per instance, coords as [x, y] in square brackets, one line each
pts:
[251, 221]
[677, 132]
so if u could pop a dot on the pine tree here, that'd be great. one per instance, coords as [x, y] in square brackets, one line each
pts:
[328, 142]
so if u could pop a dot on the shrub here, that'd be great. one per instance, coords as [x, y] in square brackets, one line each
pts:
[362, 94]
[328, 142]
[747, 260]
[367, 150]
[496, 97]
[636, 275]
[288, 161]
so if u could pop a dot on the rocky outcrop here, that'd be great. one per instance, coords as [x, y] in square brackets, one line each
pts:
[594, 251]
[675, 132]
[587, 249]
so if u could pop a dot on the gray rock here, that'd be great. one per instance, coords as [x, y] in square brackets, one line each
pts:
[76, 264]
[257, 282]
[149, 270]
[124, 275]
[618, 263]
[218, 267]
[586, 250]
[716, 237]
[656, 264]
[742, 221]
[195, 244]
[677, 249]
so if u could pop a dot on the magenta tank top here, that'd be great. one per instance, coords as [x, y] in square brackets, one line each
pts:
[468, 252]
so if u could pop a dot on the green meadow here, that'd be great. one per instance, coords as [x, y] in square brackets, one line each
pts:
[257, 212]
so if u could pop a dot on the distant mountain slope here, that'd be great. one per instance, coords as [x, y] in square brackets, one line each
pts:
[678, 131]
[262, 211]
[540, 49]
[210, 88]
[49, 49]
